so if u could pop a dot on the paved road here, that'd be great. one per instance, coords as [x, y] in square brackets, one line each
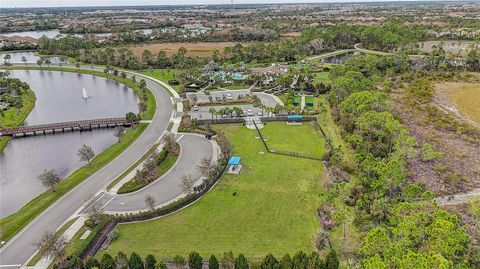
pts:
[193, 148]
[19, 249]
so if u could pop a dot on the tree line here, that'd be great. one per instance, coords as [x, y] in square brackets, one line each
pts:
[195, 261]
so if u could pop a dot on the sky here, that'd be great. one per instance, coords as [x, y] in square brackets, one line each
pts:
[64, 3]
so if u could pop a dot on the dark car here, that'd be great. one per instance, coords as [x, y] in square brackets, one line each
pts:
[218, 98]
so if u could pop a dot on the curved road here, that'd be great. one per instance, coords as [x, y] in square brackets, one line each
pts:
[193, 148]
[20, 248]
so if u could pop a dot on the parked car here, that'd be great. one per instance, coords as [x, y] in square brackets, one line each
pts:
[249, 112]
[229, 96]
[207, 92]
[260, 113]
[240, 96]
[218, 98]
[195, 108]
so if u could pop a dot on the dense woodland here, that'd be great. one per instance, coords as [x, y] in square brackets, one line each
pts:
[403, 223]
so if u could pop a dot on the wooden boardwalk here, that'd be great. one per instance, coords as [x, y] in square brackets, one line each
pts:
[80, 125]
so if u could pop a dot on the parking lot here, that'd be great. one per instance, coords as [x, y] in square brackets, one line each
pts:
[248, 110]
[203, 97]
[203, 113]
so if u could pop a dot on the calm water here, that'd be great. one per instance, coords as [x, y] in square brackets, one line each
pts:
[34, 34]
[30, 55]
[59, 98]
[339, 59]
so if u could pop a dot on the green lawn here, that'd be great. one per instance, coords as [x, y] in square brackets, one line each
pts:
[12, 224]
[164, 75]
[322, 77]
[274, 209]
[13, 117]
[297, 100]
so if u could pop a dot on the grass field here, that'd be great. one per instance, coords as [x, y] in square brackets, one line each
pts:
[465, 97]
[204, 49]
[163, 75]
[274, 209]
[322, 77]
[12, 224]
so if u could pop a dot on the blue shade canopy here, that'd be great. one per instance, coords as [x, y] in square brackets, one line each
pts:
[295, 117]
[234, 160]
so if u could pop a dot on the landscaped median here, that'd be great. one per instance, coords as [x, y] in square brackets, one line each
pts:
[11, 225]
[155, 166]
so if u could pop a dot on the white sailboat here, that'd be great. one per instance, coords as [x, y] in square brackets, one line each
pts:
[85, 94]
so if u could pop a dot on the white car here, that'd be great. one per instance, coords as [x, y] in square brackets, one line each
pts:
[249, 112]
[195, 108]
[229, 96]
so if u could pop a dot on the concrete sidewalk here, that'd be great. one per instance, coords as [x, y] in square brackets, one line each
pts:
[44, 262]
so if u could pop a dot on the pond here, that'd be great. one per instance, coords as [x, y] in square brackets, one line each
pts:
[59, 98]
[339, 59]
[30, 56]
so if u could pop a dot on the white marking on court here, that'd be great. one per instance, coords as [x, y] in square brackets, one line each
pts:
[179, 138]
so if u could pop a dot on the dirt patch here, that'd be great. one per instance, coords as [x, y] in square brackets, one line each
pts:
[204, 49]
[459, 168]
[462, 99]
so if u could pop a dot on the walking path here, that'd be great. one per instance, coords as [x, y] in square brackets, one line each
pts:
[45, 261]
[458, 198]
[302, 102]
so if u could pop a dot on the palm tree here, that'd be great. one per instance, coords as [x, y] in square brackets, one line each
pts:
[78, 67]
[47, 62]
[212, 111]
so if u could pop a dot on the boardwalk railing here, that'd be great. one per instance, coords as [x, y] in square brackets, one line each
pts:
[79, 125]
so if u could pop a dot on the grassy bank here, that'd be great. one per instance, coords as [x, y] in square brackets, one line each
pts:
[14, 117]
[269, 207]
[150, 102]
[164, 75]
[11, 225]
